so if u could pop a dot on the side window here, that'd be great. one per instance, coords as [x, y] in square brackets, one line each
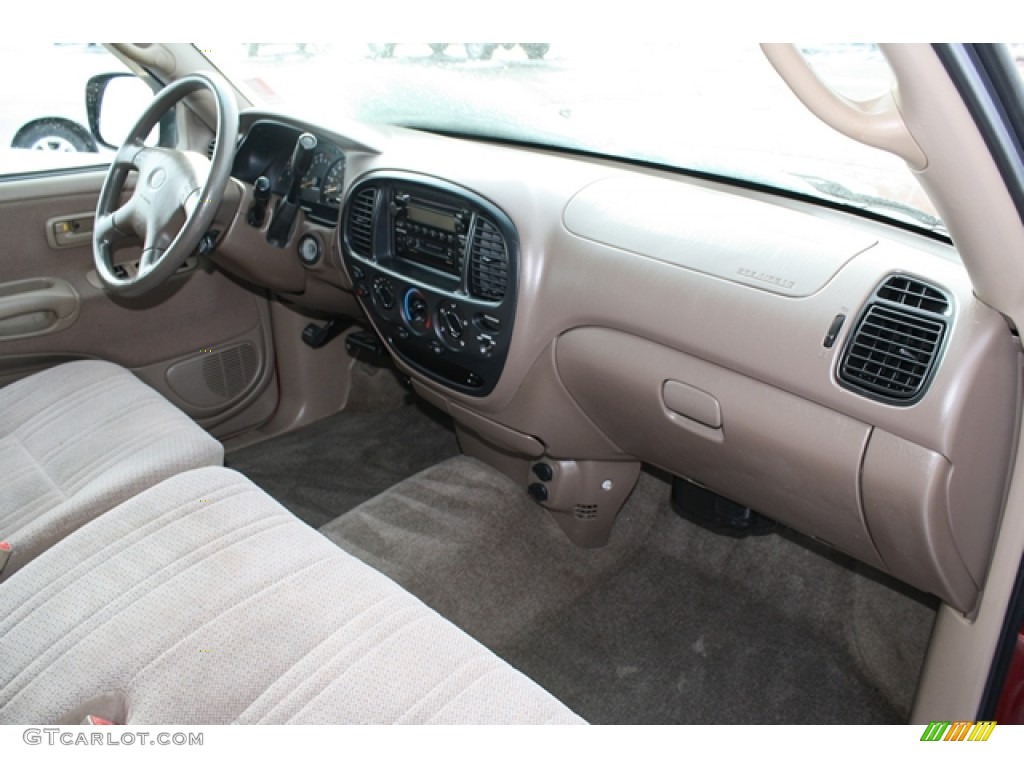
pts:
[44, 125]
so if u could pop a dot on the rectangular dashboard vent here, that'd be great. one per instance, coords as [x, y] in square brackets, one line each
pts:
[488, 262]
[892, 353]
[359, 228]
[909, 292]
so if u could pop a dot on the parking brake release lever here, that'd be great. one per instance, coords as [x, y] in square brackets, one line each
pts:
[283, 220]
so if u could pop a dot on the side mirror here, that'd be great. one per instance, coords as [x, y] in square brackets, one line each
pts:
[113, 103]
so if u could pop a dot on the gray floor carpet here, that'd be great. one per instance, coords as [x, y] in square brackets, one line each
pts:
[667, 624]
[324, 470]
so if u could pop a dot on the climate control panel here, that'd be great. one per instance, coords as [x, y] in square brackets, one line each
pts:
[436, 269]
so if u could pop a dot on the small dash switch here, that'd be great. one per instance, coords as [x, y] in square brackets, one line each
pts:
[833, 331]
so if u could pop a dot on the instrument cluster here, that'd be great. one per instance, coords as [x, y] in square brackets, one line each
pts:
[266, 151]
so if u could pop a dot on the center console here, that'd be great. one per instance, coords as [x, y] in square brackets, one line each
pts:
[435, 267]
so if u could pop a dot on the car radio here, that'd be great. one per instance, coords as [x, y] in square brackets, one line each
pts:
[428, 232]
[435, 266]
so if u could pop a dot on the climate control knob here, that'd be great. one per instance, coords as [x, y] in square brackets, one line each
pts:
[451, 322]
[416, 310]
[383, 293]
[451, 325]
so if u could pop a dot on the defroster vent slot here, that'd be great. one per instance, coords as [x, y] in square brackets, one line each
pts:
[911, 292]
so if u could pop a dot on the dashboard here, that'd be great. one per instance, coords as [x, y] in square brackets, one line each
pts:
[578, 318]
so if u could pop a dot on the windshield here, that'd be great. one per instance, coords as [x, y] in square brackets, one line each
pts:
[718, 108]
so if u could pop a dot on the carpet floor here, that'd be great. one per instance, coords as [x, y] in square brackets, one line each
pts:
[669, 623]
[325, 469]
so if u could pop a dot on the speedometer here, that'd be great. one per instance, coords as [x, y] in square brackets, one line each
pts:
[313, 181]
[333, 180]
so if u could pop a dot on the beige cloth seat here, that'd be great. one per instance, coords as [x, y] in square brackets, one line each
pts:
[204, 601]
[77, 440]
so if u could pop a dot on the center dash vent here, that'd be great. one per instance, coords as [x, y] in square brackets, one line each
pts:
[892, 353]
[488, 262]
[359, 229]
[210, 148]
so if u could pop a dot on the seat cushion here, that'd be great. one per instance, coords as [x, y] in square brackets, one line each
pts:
[204, 601]
[80, 438]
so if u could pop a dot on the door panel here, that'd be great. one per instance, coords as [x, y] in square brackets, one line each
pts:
[36, 307]
[203, 338]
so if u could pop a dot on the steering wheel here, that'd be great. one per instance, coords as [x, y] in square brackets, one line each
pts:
[176, 195]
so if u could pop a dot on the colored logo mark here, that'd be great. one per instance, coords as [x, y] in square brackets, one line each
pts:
[958, 730]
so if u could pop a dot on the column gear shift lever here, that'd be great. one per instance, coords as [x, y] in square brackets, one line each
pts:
[283, 220]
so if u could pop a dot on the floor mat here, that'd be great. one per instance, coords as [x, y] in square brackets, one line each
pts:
[324, 470]
[667, 624]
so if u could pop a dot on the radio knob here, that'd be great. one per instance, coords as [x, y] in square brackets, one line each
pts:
[399, 204]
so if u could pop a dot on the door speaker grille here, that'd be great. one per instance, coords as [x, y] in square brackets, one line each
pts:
[229, 372]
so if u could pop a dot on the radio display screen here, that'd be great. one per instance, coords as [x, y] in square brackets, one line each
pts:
[431, 218]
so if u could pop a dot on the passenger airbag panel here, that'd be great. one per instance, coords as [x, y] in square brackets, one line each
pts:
[708, 231]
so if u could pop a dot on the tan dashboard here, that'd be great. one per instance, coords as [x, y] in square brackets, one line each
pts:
[831, 372]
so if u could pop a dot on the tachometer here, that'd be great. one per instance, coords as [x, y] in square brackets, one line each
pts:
[333, 181]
